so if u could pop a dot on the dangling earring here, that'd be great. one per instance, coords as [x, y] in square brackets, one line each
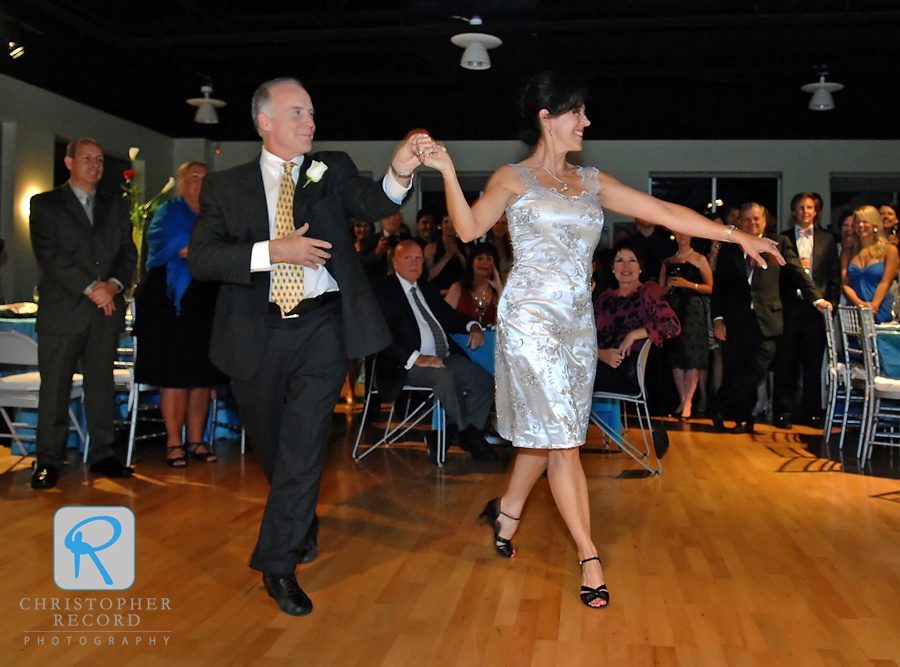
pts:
[550, 132]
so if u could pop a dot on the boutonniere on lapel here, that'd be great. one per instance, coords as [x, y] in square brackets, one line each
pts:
[315, 172]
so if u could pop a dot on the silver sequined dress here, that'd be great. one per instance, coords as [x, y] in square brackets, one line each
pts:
[546, 351]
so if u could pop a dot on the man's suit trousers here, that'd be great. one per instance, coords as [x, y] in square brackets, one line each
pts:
[286, 409]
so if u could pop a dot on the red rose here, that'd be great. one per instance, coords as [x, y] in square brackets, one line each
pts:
[128, 174]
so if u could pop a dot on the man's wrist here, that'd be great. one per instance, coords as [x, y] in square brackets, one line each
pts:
[400, 176]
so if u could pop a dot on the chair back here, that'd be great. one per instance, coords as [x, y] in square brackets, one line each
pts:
[830, 339]
[643, 354]
[17, 349]
[869, 337]
[851, 335]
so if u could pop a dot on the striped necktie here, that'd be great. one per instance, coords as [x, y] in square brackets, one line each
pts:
[441, 348]
[286, 280]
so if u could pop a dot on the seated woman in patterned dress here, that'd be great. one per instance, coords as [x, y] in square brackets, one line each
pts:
[627, 314]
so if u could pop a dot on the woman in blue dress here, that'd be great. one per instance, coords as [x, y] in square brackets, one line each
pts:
[546, 350]
[870, 264]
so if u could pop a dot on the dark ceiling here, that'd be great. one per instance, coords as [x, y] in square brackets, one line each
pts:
[658, 69]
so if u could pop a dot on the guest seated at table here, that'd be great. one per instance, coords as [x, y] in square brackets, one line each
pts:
[445, 259]
[626, 314]
[869, 264]
[477, 294]
[173, 324]
[423, 353]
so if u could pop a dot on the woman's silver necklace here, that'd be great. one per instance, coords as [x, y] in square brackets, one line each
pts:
[565, 186]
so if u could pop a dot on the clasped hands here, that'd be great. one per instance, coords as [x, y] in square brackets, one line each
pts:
[103, 295]
[476, 340]
[614, 356]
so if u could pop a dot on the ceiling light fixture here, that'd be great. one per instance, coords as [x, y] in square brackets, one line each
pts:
[821, 91]
[16, 50]
[476, 45]
[206, 106]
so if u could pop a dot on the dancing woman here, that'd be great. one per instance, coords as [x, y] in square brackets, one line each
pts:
[546, 349]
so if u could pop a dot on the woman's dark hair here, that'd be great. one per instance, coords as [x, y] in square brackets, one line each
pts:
[639, 255]
[892, 205]
[551, 91]
[476, 250]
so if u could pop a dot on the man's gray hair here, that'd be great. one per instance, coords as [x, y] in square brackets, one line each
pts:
[261, 101]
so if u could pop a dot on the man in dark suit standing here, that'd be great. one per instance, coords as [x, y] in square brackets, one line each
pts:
[294, 305]
[82, 241]
[377, 248]
[423, 354]
[747, 317]
[803, 341]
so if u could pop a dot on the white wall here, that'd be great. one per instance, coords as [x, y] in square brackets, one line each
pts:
[32, 120]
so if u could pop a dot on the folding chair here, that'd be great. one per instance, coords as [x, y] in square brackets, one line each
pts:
[883, 418]
[837, 375]
[214, 423]
[430, 405]
[22, 390]
[859, 390]
[643, 416]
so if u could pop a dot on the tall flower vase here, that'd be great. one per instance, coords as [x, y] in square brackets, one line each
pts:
[139, 236]
[140, 213]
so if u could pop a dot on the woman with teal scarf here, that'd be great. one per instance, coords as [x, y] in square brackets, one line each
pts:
[174, 321]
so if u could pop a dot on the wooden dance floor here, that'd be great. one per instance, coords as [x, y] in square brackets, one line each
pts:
[747, 551]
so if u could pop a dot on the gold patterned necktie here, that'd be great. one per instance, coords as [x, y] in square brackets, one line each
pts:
[286, 280]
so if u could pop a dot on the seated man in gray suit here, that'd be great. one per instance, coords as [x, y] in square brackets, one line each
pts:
[423, 354]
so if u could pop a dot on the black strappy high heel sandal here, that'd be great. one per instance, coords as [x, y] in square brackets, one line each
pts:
[589, 594]
[490, 515]
[191, 449]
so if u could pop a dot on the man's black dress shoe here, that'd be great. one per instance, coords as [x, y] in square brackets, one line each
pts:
[743, 427]
[44, 477]
[478, 447]
[311, 547]
[783, 421]
[288, 594]
[112, 467]
[718, 424]
[815, 422]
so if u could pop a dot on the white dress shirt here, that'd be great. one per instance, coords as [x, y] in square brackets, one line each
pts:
[805, 245]
[87, 200]
[427, 346]
[315, 281]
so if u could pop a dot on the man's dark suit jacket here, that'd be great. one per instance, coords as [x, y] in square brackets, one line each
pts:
[72, 254]
[732, 295]
[234, 215]
[826, 265]
[397, 310]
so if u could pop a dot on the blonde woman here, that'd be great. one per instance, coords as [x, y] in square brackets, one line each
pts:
[869, 264]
